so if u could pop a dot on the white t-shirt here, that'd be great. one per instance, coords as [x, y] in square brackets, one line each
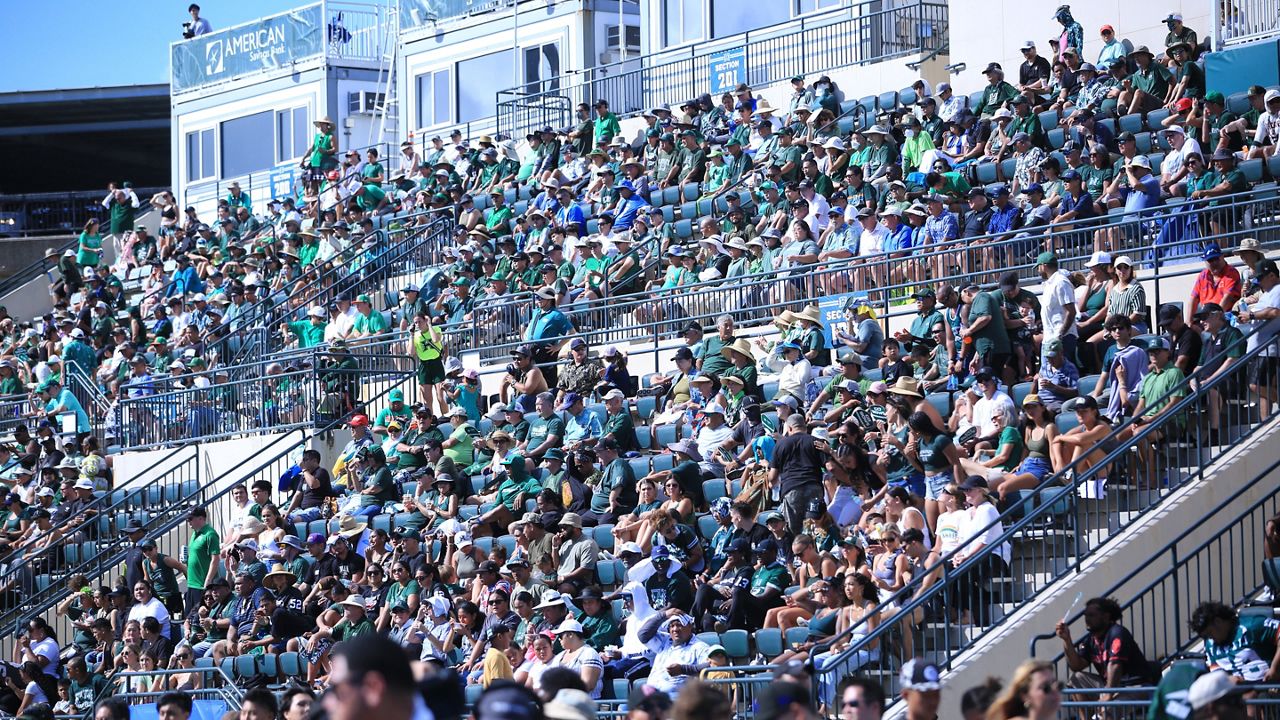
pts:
[984, 411]
[1265, 330]
[1174, 159]
[979, 518]
[48, 648]
[152, 608]
[1058, 294]
[871, 242]
[1268, 132]
[950, 530]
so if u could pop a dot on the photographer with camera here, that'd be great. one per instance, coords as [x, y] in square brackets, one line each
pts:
[198, 25]
[524, 379]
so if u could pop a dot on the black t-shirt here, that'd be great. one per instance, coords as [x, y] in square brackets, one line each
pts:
[1116, 645]
[668, 592]
[975, 223]
[1187, 343]
[314, 498]
[344, 569]
[798, 462]
[1038, 69]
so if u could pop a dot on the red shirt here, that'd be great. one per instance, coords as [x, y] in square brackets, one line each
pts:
[1224, 289]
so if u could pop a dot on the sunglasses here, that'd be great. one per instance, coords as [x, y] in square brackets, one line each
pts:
[1050, 687]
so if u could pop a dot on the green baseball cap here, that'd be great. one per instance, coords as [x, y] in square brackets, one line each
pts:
[460, 282]
[1215, 97]
[1047, 258]
[396, 395]
[362, 298]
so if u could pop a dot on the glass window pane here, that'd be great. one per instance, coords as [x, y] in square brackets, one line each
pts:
[485, 75]
[729, 17]
[443, 110]
[422, 93]
[671, 22]
[692, 19]
[299, 132]
[283, 126]
[193, 156]
[247, 145]
[206, 153]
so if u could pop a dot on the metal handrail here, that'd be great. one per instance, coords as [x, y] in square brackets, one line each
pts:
[44, 265]
[1063, 487]
[222, 686]
[1162, 599]
[248, 404]
[772, 55]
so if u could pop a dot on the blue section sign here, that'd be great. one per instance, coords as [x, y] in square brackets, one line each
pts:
[728, 70]
[831, 310]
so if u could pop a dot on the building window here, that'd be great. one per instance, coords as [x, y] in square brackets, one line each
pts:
[485, 76]
[542, 64]
[291, 134]
[434, 103]
[633, 39]
[247, 144]
[681, 22]
[199, 155]
[804, 7]
[732, 17]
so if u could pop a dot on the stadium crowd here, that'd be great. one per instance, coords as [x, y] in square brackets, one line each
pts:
[532, 543]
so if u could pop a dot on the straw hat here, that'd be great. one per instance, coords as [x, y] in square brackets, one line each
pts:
[279, 570]
[784, 319]
[810, 313]
[326, 120]
[349, 526]
[740, 346]
[908, 386]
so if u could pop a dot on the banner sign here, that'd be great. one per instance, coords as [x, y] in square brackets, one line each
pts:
[728, 70]
[831, 310]
[265, 44]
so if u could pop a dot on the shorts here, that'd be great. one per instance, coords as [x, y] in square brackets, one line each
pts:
[1262, 371]
[935, 484]
[430, 372]
[914, 483]
[1038, 468]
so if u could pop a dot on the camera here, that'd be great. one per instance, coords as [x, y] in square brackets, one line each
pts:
[186, 31]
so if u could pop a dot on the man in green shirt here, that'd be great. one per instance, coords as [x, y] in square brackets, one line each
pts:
[1146, 89]
[606, 123]
[996, 93]
[615, 496]
[201, 549]
[987, 331]
[582, 138]
[748, 607]
[1154, 399]
[788, 156]
[1223, 347]
[546, 430]
[309, 332]
[692, 163]
[497, 219]
[1187, 75]
[368, 322]
[1243, 645]
[395, 410]
[617, 424]
[714, 362]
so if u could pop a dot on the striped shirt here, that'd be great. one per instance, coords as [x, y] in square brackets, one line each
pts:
[1127, 301]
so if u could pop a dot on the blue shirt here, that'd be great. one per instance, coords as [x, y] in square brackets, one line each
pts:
[69, 403]
[571, 215]
[624, 213]
[841, 239]
[1144, 195]
[899, 238]
[548, 325]
[941, 228]
[581, 426]
[1006, 220]
[1083, 206]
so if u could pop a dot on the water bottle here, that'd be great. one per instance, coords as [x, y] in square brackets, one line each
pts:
[182, 554]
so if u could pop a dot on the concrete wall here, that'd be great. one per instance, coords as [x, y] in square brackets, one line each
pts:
[1006, 648]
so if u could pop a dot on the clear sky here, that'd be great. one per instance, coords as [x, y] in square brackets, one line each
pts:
[61, 44]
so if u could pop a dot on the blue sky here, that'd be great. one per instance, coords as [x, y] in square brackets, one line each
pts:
[61, 44]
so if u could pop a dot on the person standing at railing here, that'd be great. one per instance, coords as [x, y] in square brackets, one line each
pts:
[320, 157]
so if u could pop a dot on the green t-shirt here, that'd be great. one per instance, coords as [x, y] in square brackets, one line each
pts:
[1010, 436]
[381, 481]
[346, 631]
[308, 333]
[1158, 384]
[789, 154]
[933, 454]
[461, 452]
[1153, 81]
[373, 323]
[618, 475]
[773, 575]
[1095, 179]
[200, 551]
[993, 337]
[83, 696]
[1250, 652]
[540, 429]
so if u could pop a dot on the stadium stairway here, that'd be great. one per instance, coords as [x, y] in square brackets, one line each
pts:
[1064, 538]
[185, 477]
[1159, 595]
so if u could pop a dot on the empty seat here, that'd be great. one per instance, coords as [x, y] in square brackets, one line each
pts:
[769, 642]
[887, 100]
[907, 96]
[735, 643]
[689, 191]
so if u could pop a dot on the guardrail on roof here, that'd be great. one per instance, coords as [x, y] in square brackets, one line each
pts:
[807, 45]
